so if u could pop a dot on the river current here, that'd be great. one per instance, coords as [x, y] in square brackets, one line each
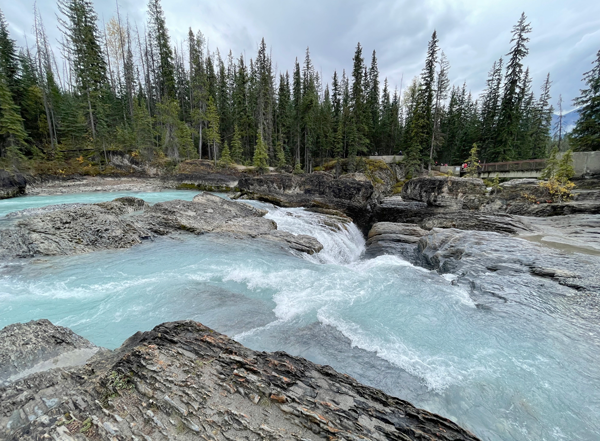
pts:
[513, 371]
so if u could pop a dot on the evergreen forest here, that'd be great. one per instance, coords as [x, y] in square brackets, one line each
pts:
[127, 88]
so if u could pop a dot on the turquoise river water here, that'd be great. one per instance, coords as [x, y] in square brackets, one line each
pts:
[514, 371]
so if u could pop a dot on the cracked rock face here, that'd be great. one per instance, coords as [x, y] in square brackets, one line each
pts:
[184, 381]
[125, 222]
[447, 192]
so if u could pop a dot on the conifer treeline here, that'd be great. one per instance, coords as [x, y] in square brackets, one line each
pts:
[125, 90]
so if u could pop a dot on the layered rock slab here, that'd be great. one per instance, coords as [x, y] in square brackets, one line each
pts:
[184, 381]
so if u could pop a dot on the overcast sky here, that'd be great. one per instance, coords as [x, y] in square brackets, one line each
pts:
[472, 33]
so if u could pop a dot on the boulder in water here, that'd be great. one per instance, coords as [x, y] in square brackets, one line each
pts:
[125, 222]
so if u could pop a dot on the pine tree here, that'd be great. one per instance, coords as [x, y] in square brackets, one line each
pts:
[9, 60]
[83, 48]
[508, 124]
[586, 134]
[236, 146]
[280, 155]
[472, 163]
[373, 105]
[213, 134]
[423, 122]
[225, 160]
[490, 107]
[261, 157]
[161, 49]
[12, 133]
[441, 94]
[542, 122]
[358, 141]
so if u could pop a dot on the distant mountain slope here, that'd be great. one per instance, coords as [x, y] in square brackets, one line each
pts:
[569, 120]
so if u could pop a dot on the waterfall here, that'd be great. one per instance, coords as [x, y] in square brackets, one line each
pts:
[342, 241]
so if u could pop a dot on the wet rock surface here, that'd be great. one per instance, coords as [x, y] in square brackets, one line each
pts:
[487, 262]
[184, 381]
[125, 222]
[394, 238]
[12, 184]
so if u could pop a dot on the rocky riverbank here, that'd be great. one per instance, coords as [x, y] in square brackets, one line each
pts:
[184, 381]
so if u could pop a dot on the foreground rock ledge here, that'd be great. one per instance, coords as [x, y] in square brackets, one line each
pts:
[184, 381]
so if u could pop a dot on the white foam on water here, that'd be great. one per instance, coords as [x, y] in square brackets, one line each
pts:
[437, 373]
[342, 242]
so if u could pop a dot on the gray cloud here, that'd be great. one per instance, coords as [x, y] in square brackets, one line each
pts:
[565, 38]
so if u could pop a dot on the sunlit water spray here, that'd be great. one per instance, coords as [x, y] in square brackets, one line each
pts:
[507, 371]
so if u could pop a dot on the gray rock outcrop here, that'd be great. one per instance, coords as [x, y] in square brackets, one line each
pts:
[38, 346]
[488, 262]
[11, 184]
[394, 238]
[184, 381]
[447, 192]
[352, 194]
[125, 222]
[398, 210]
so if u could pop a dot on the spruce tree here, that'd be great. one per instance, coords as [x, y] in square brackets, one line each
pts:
[236, 146]
[297, 111]
[505, 147]
[9, 59]
[213, 134]
[161, 49]
[373, 105]
[83, 48]
[358, 141]
[472, 163]
[490, 107]
[225, 160]
[542, 122]
[441, 94]
[280, 155]
[261, 157]
[551, 165]
[424, 123]
[586, 134]
[12, 133]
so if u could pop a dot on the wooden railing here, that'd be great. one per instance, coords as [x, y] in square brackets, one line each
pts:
[530, 164]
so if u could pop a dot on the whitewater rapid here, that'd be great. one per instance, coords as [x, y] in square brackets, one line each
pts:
[503, 369]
